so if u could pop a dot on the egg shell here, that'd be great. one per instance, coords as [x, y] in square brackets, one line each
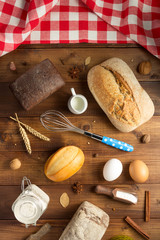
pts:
[139, 171]
[112, 169]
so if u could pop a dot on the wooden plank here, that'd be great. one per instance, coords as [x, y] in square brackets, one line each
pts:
[90, 173]
[11, 137]
[78, 45]
[58, 100]
[25, 59]
[93, 119]
[12, 141]
[114, 208]
[11, 229]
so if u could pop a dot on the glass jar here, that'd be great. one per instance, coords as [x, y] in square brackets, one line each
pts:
[30, 204]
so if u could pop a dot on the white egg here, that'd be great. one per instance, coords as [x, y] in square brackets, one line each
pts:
[112, 169]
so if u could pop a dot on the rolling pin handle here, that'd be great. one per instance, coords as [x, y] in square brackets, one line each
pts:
[99, 189]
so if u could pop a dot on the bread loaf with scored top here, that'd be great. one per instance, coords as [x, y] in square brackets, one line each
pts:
[119, 94]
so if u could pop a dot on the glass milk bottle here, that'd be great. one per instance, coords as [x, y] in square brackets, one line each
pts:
[30, 204]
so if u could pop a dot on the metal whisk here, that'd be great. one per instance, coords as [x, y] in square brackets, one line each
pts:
[55, 121]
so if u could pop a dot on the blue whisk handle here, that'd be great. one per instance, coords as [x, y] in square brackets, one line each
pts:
[117, 144]
[111, 142]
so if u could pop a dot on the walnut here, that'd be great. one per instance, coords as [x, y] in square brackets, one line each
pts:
[15, 164]
[144, 67]
[145, 138]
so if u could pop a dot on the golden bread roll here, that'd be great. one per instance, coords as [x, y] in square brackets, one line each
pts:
[64, 163]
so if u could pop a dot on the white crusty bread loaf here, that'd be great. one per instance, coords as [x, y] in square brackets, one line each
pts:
[88, 223]
[119, 94]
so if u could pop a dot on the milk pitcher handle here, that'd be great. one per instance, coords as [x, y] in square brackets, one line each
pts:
[73, 92]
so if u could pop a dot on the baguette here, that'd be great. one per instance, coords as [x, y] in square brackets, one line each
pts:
[119, 94]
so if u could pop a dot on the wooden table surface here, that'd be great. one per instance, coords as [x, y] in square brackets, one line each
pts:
[12, 146]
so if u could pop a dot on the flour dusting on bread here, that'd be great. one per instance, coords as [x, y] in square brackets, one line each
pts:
[119, 94]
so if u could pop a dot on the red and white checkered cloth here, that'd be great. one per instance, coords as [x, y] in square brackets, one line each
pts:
[74, 21]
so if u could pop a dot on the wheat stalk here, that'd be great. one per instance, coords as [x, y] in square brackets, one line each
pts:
[24, 136]
[32, 131]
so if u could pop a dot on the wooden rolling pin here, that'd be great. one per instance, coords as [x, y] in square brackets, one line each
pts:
[117, 194]
[42, 231]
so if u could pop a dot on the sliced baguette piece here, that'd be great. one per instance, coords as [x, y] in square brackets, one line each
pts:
[119, 94]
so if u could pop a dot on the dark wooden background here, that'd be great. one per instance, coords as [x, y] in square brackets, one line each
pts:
[11, 144]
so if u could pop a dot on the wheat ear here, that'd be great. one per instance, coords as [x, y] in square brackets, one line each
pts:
[33, 131]
[24, 136]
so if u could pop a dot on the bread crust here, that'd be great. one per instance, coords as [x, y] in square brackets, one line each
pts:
[37, 84]
[64, 163]
[88, 223]
[119, 94]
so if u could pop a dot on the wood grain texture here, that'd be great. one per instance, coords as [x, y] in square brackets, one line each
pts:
[24, 59]
[12, 228]
[59, 99]
[55, 210]
[90, 173]
[96, 153]
[11, 140]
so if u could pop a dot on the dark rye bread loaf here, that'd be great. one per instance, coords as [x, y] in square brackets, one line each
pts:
[37, 84]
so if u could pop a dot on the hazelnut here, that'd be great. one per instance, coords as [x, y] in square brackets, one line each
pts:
[144, 67]
[95, 155]
[146, 138]
[12, 66]
[15, 164]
